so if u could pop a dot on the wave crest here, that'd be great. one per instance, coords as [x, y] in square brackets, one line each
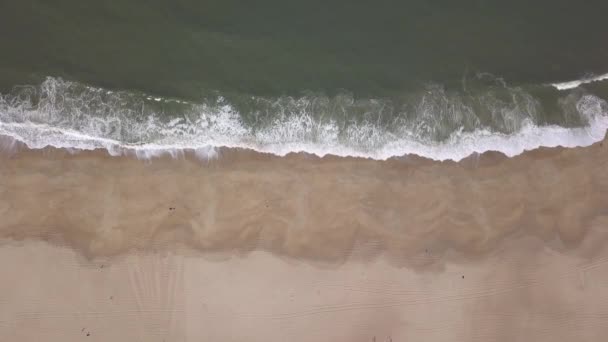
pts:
[433, 122]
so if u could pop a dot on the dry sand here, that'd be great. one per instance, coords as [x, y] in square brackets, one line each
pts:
[251, 247]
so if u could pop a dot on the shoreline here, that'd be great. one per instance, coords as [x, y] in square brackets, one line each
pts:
[255, 247]
[66, 114]
[301, 206]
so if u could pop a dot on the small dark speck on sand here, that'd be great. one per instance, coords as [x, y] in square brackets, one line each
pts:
[111, 297]
[101, 266]
[88, 334]
[462, 277]
[171, 208]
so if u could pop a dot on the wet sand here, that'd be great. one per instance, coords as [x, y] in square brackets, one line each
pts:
[253, 247]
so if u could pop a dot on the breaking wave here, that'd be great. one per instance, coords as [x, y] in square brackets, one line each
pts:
[434, 122]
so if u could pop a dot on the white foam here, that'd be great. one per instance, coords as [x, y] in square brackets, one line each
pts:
[87, 123]
[577, 83]
[458, 146]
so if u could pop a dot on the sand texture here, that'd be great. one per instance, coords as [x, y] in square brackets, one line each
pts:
[253, 247]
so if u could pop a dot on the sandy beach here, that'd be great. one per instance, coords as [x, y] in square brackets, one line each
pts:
[300, 171]
[254, 247]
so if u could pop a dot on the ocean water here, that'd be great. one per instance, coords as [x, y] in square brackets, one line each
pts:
[372, 79]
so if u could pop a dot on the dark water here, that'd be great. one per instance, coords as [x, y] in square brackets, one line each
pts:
[272, 47]
[412, 70]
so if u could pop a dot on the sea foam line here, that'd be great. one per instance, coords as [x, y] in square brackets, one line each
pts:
[64, 116]
[458, 146]
[576, 83]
